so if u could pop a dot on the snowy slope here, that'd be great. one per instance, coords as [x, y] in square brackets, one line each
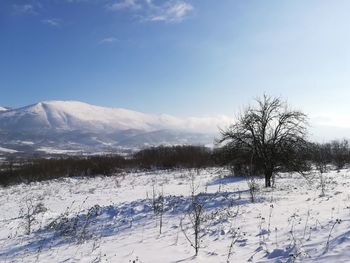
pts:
[110, 219]
[72, 115]
[73, 125]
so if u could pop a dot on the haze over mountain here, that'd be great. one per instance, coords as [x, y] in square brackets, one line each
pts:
[72, 126]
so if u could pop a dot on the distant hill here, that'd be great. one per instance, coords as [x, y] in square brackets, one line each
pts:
[76, 127]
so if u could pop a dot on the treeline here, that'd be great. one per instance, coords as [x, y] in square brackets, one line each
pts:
[162, 157]
[173, 157]
[243, 163]
[26, 171]
[336, 153]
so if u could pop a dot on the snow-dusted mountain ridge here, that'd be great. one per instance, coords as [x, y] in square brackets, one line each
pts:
[74, 115]
[78, 125]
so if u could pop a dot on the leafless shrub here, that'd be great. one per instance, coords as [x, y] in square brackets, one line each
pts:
[296, 246]
[154, 200]
[28, 212]
[337, 221]
[161, 211]
[323, 184]
[195, 214]
[75, 226]
[253, 188]
[307, 220]
[60, 221]
[92, 213]
[193, 186]
[235, 236]
[157, 204]
[270, 216]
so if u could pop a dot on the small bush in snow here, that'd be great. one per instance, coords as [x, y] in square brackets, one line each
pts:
[28, 212]
[195, 214]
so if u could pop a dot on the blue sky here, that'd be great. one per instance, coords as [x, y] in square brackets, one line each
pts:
[186, 57]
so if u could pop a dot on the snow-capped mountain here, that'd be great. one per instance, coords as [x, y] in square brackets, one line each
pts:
[78, 126]
[72, 115]
[3, 109]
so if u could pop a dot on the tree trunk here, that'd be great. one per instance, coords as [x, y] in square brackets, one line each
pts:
[268, 176]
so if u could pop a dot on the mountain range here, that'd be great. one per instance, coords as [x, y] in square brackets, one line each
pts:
[75, 127]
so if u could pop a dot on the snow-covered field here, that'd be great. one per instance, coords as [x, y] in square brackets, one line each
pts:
[112, 219]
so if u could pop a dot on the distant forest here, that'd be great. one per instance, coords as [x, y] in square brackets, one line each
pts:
[15, 171]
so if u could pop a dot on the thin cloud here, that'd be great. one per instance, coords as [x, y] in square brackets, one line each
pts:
[24, 9]
[148, 10]
[108, 40]
[210, 124]
[124, 4]
[54, 22]
[172, 12]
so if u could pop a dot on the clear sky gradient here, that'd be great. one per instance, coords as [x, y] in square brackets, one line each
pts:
[185, 58]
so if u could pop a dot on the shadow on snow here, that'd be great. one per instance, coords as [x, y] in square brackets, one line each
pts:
[111, 220]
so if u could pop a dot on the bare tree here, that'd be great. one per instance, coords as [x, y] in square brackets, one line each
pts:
[272, 133]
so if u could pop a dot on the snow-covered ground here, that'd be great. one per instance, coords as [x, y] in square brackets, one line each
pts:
[6, 150]
[52, 150]
[111, 219]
